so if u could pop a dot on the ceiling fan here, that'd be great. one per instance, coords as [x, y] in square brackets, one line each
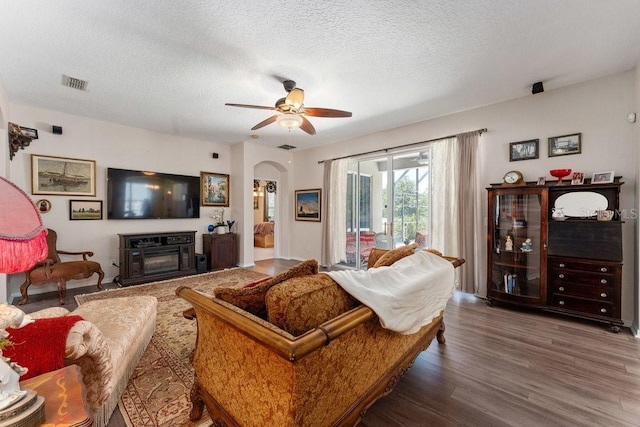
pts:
[292, 112]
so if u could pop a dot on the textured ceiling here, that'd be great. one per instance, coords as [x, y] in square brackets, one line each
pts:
[171, 66]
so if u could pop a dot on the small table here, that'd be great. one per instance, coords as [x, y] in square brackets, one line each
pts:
[64, 397]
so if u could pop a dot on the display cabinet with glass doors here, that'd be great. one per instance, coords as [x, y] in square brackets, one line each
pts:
[516, 245]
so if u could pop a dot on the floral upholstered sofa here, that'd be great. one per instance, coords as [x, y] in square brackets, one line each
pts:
[297, 350]
[107, 345]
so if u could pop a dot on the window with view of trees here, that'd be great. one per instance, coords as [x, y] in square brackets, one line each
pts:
[410, 203]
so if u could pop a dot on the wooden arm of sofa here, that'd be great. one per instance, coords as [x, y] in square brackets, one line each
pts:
[282, 344]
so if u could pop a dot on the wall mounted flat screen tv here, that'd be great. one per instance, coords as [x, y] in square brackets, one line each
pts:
[146, 195]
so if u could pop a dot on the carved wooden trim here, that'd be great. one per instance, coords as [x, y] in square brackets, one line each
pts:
[290, 349]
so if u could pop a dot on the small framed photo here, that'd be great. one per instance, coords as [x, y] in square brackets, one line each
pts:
[43, 205]
[215, 189]
[541, 180]
[308, 205]
[577, 178]
[30, 132]
[62, 176]
[523, 150]
[602, 177]
[85, 209]
[565, 144]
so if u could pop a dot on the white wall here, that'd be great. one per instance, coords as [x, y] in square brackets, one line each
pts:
[598, 109]
[110, 145]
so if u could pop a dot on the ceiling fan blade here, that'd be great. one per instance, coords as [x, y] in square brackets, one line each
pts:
[307, 126]
[325, 112]
[259, 107]
[265, 122]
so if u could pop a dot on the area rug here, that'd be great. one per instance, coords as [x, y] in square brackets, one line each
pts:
[158, 391]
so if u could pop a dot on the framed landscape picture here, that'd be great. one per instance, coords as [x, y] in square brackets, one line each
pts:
[214, 189]
[565, 144]
[85, 209]
[62, 176]
[308, 205]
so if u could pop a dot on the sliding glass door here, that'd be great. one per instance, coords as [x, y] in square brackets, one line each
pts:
[387, 203]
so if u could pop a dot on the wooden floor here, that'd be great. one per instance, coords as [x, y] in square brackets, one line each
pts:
[504, 367]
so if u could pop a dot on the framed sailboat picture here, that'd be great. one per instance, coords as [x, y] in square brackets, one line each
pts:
[62, 176]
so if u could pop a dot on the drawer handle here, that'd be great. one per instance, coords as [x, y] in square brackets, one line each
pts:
[603, 281]
[561, 288]
[603, 295]
[561, 276]
[561, 265]
[603, 310]
[561, 302]
[603, 269]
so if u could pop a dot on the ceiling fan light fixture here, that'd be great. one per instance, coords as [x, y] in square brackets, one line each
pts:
[289, 121]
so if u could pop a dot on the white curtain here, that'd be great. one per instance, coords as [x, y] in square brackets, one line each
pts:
[455, 203]
[334, 199]
[444, 210]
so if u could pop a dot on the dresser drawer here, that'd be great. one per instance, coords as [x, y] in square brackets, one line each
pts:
[601, 293]
[581, 277]
[597, 267]
[598, 308]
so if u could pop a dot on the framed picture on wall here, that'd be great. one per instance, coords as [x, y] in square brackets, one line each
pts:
[85, 209]
[308, 205]
[523, 150]
[214, 189]
[565, 144]
[62, 176]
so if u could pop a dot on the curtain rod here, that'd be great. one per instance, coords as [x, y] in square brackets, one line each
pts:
[386, 150]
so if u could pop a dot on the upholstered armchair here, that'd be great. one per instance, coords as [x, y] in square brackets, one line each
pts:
[53, 270]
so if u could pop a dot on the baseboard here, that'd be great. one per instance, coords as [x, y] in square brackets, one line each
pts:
[247, 265]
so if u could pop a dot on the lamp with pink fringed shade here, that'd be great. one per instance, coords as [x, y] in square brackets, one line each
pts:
[23, 240]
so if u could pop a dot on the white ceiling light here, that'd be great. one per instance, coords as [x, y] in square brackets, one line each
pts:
[289, 121]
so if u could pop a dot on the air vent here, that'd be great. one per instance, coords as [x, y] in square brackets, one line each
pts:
[287, 147]
[74, 83]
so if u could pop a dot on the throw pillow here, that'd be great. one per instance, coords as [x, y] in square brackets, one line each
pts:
[251, 298]
[375, 255]
[395, 254]
[303, 303]
[421, 239]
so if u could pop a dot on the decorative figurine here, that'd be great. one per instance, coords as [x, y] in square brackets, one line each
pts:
[508, 246]
[526, 245]
[558, 214]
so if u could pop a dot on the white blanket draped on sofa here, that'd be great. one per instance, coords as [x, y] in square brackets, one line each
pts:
[406, 295]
